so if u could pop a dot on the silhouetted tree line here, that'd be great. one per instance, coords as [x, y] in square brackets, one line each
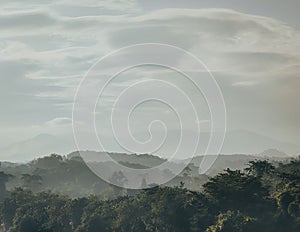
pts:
[260, 198]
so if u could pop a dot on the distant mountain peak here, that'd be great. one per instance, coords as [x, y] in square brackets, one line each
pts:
[273, 152]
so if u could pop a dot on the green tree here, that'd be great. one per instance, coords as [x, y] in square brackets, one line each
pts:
[234, 190]
[259, 168]
[233, 221]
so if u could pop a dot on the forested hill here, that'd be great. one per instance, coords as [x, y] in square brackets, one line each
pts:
[262, 197]
[145, 160]
[71, 176]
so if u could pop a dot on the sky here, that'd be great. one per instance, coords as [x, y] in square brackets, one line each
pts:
[252, 49]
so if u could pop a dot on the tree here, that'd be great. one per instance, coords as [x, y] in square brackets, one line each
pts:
[3, 180]
[288, 200]
[47, 162]
[118, 180]
[233, 221]
[233, 201]
[10, 205]
[27, 224]
[259, 168]
[144, 183]
[233, 190]
[42, 212]
[31, 182]
[75, 207]
[186, 172]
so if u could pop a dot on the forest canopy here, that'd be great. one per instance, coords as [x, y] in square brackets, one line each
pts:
[262, 197]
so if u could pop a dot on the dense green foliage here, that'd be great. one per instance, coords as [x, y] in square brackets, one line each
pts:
[259, 198]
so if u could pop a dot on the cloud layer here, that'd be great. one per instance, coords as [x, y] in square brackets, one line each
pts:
[46, 48]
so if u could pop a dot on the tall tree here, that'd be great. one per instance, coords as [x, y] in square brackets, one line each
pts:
[233, 190]
[259, 168]
[3, 180]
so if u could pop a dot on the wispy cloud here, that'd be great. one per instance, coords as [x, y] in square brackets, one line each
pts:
[46, 47]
